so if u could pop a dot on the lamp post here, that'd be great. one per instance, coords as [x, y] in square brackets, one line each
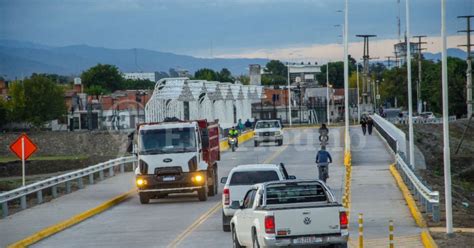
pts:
[327, 93]
[410, 98]
[346, 73]
[289, 94]
[446, 155]
[358, 96]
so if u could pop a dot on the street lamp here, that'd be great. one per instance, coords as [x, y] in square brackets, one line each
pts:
[289, 94]
[358, 96]
[327, 93]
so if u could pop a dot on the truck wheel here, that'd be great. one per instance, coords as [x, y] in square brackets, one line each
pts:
[280, 142]
[202, 193]
[225, 223]
[144, 199]
[212, 190]
[235, 240]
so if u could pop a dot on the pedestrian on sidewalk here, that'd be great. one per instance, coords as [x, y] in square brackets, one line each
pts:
[363, 124]
[370, 125]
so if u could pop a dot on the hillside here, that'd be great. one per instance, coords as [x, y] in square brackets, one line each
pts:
[18, 59]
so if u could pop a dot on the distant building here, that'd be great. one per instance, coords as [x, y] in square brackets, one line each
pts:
[255, 74]
[183, 73]
[152, 76]
[304, 74]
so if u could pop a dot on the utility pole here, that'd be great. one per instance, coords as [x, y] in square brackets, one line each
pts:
[366, 91]
[346, 74]
[446, 149]
[419, 102]
[469, 64]
[327, 94]
[389, 61]
[410, 98]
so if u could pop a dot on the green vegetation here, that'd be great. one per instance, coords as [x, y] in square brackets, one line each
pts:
[34, 100]
[210, 75]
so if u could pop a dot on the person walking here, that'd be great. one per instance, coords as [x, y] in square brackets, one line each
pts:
[370, 125]
[363, 124]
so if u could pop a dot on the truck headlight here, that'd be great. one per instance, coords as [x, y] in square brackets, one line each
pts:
[141, 182]
[197, 178]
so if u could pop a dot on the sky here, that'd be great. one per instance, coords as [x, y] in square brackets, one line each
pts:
[281, 29]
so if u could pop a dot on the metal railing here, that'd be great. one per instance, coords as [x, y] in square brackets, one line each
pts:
[66, 179]
[404, 120]
[426, 197]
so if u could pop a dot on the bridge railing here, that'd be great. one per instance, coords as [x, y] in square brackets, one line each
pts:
[65, 179]
[428, 198]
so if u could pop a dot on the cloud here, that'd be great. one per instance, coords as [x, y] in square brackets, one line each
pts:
[332, 52]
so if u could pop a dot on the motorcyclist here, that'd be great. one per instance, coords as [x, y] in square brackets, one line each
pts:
[233, 133]
[323, 158]
[323, 133]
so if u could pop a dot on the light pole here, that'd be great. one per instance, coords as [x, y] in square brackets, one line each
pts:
[289, 94]
[327, 93]
[358, 96]
[346, 72]
[410, 100]
[446, 155]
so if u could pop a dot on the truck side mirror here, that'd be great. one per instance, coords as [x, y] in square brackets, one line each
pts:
[235, 205]
[223, 180]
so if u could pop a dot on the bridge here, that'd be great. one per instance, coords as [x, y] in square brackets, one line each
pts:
[372, 180]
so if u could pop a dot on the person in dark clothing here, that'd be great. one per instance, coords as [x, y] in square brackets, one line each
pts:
[363, 124]
[323, 158]
[370, 124]
[248, 124]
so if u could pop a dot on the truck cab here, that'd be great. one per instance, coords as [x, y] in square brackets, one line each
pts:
[177, 157]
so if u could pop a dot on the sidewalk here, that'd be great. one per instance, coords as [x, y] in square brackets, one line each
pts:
[24, 223]
[376, 195]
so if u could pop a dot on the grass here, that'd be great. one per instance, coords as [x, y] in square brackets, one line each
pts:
[43, 158]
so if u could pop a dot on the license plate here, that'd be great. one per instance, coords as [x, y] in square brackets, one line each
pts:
[266, 134]
[307, 240]
[168, 178]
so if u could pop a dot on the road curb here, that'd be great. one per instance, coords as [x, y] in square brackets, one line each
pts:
[58, 227]
[427, 240]
[426, 237]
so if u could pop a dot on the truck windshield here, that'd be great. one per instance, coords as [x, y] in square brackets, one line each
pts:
[252, 177]
[268, 124]
[174, 140]
[295, 193]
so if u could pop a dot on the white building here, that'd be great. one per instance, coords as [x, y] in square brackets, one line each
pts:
[152, 76]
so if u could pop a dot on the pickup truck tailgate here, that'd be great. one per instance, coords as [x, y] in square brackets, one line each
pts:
[307, 221]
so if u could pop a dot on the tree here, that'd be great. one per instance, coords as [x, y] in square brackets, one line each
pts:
[137, 84]
[206, 74]
[225, 76]
[106, 76]
[17, 103]
[44, 100]
[276, 68]
[244, 79]
[95, 90]
[3, 113]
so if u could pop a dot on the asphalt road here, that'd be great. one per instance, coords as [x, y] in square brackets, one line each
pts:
[184, 221]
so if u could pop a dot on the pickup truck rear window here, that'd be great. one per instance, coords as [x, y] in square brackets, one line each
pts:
[253, 177]
[296, 193]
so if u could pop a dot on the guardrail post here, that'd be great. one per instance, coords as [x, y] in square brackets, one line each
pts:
[68, 187]
[5, 209]
[429, 207]
[361, 231]
[39, 196]
[122, 167]
[23, 202]
[436, 212]
[80, 183]
[91, 178]
[390, 233]
[101, 175]
[54, 191]
[111, 171]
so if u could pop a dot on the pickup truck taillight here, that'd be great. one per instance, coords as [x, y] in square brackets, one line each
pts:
[343, 221]
[226, 194]
[269, 224]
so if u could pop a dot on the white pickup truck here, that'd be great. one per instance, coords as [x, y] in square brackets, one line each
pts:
[289, 213]
[268, 131]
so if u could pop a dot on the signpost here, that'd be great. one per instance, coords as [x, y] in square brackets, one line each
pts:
[23, 148]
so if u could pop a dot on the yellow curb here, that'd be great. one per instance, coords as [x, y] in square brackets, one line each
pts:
[71, 221]
[426, 237]
[427, 240]
[415, 212]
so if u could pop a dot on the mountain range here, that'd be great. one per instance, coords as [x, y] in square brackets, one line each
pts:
[20, 59]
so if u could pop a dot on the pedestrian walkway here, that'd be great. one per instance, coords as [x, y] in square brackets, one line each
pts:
[376, 195]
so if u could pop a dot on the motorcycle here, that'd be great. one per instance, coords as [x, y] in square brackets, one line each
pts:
[323, 169]
[232, 143]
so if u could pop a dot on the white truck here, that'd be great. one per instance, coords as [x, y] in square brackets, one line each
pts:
[177, 157]
[268, 131]
[241, 178]
[289, 213]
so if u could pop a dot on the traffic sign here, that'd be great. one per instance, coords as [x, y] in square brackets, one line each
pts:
[29, 146]
[23, 148]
